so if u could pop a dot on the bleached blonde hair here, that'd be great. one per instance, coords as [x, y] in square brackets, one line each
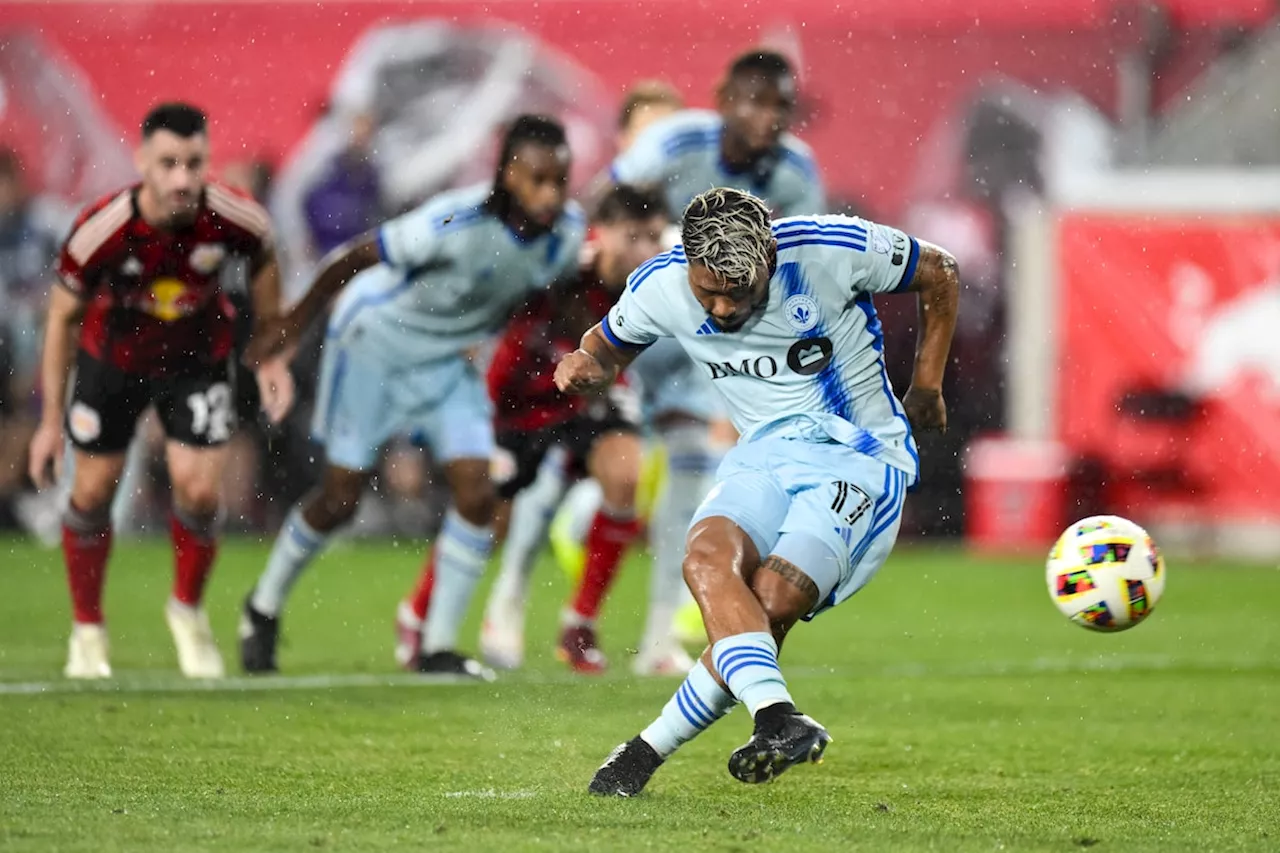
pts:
[727, 231]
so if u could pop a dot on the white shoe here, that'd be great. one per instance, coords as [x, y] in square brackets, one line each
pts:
[87, 652]
[663, 659]
[40, 514]
[198, 655]
[502, 633]
[408, 636]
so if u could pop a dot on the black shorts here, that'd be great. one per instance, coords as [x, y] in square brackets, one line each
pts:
[577, 436]
[196, 407]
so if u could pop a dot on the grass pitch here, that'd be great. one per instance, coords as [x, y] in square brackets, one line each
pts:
[967, 715]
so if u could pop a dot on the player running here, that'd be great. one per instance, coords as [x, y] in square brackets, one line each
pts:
[806, 507]
[425, 289]
[140, 275]
[538, 426]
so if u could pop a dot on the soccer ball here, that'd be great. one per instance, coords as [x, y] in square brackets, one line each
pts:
[1105, 573]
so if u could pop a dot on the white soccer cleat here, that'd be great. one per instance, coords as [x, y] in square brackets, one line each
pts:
[663, 659]
[408, 636]
[198, 655]
[502, 633]
[87, 652]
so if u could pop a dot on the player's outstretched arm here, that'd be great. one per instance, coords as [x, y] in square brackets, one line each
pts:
[594, 366]
[65, 310]
[336, 269]
[937, 281]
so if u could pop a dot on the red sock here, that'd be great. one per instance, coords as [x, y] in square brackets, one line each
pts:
[86, 557]
[606, 543]
[421, 599]
[193, 556]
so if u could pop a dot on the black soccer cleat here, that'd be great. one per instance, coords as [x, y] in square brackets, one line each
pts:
[627, 770]
[454, 665]
[259, 634]
[781, 740]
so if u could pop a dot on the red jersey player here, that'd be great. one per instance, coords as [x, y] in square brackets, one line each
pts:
[139, 273]
[536, 426]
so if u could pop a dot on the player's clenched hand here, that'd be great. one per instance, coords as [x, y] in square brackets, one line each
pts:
[580, 373]
[46, 449]
[926, 409]
[275, 386]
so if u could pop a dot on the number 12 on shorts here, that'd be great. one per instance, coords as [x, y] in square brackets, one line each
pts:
[212, 417]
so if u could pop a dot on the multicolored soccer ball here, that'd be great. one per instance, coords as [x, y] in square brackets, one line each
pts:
[1105, 573]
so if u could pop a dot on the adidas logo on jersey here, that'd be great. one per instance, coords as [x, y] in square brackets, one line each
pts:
[708, 328]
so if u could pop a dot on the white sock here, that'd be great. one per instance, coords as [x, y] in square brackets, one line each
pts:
[697, 704]
[531, 513]
[296, 546]
[461, 553]
[580, 506]
[748, 663]
[691, 467]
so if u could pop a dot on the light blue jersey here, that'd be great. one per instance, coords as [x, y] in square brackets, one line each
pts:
[813, 353]
[682, 153]
[826, 456]
[395, 357]
[450, 276]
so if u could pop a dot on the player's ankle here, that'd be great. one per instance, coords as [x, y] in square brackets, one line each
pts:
[570, 617]
[772, 716]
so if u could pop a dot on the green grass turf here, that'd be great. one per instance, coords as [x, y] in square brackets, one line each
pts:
[967, 715]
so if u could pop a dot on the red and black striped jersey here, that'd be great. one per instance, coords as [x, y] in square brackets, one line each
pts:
[153, 301]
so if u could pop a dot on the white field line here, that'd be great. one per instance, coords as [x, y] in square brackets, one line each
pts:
[163, 683]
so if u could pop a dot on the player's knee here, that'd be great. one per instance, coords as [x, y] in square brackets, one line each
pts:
[93, 498]
[198, 499]
[615, 464]
[475, 502]
[332, 507]
[94, 487]
[705, 556]
[618, 484]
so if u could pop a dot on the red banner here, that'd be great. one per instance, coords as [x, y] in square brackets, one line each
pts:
[1169, 367]
[881, 80]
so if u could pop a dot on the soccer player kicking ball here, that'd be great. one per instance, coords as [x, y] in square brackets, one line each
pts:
[806, 507]
[425, 288]
[140, 276]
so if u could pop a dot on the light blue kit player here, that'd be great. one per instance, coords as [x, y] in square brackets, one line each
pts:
[807, 505]
[424, 290]
[744, 143]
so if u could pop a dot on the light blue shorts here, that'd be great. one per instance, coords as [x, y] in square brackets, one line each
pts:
[362, 402]
[671, 382]
[849, 501]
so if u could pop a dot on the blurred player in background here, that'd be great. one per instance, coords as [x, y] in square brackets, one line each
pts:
[807, 505]
[426, 288]
[139, 274]
[645, 103]
[550, 436]
[744, 143]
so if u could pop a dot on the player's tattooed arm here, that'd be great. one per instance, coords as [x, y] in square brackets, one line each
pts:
[594, 366]
[937, 283]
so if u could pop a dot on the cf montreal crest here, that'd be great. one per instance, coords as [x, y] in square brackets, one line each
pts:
[801, 311]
